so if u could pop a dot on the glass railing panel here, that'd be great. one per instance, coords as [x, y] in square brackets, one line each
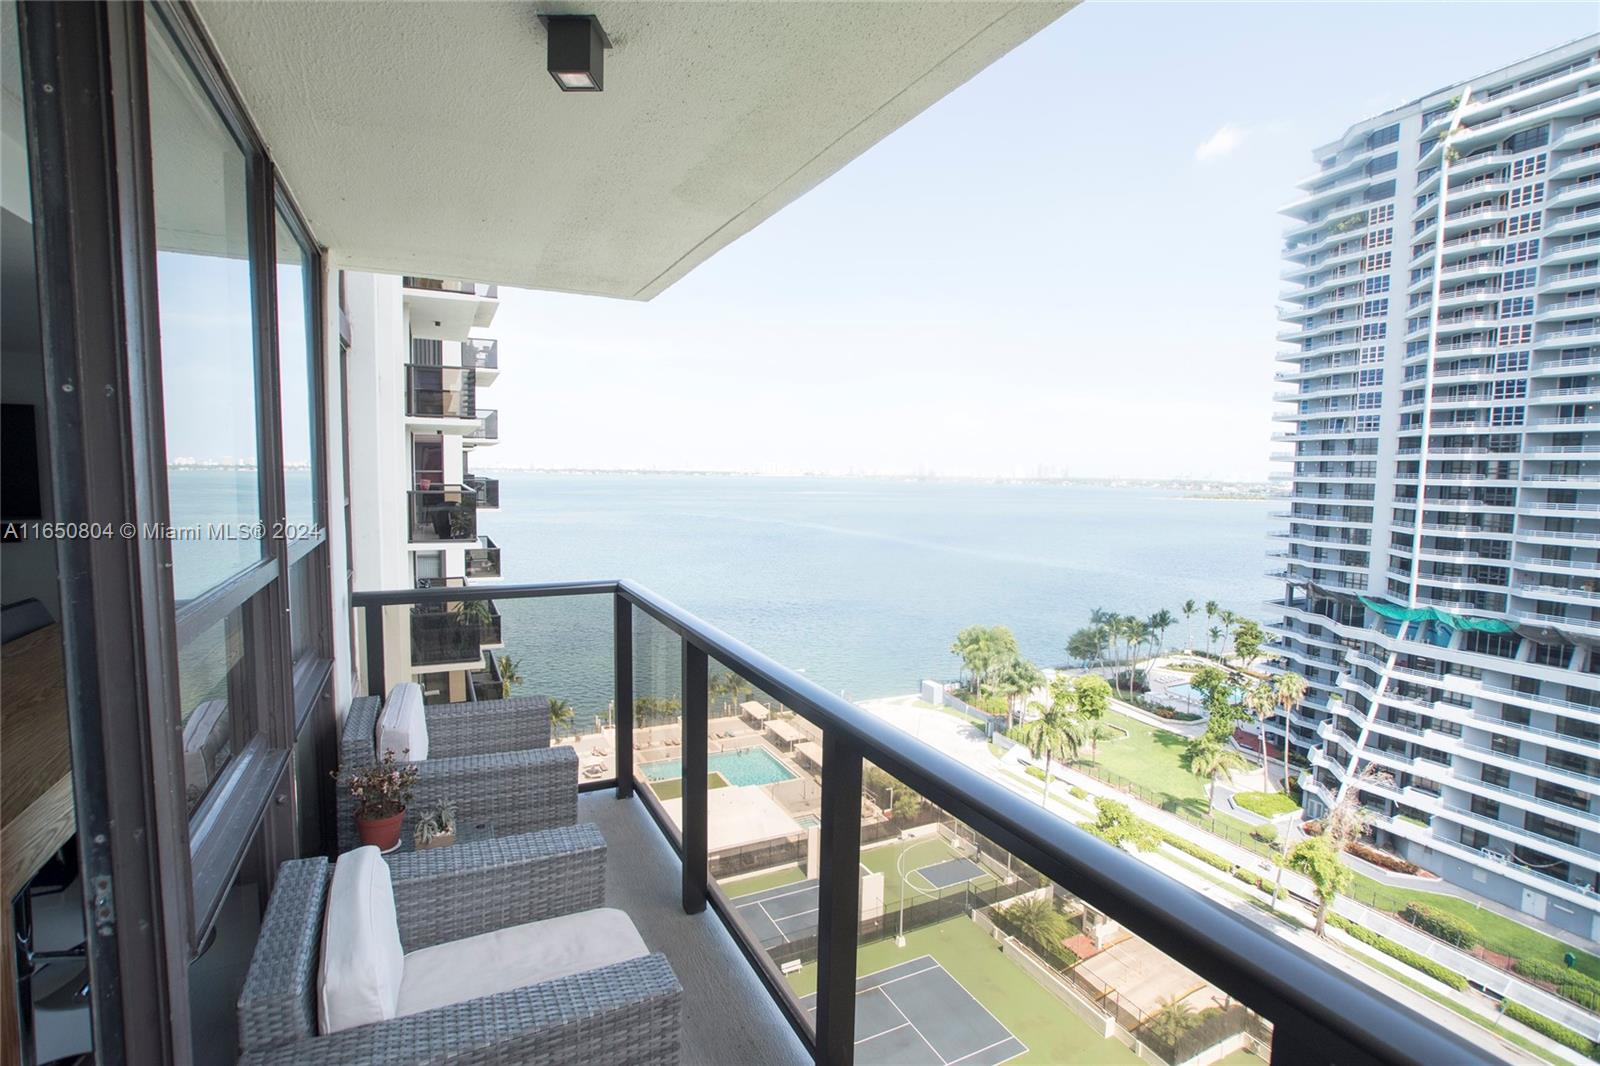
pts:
[764, 816]
[446, 513]
[658, 713]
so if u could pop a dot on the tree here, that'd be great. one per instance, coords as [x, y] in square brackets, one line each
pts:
[1214, 634]
[1116, 824]
[985, 652]
[1172, 1021]
[1211, 760]
[1035, 918]
[1093, 697]
[1318, 859]
[561, 712]
[1056, 733]
[1260, 701]
[1287, 691]
[510, 675]
[1087, 644]
[1017, 683]
[1216, 688]
[906, 804]
[1247, 638]
[1159, 623]
[1189, 609]
[1211, 633]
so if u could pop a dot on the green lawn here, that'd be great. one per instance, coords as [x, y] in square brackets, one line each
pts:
[1154, 759]
[1500, 934]
[783, 875]
[672, 788]
[1052, 1032]
[1266, 804]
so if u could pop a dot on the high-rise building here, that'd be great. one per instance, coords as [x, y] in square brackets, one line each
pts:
[1442, 589]
[418, 368]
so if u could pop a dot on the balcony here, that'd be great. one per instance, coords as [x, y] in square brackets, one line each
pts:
[482, 355]
[447, 310]
[784, 979]
[483, 562]
[487, 489]
[453, 633]
[445, 515]
[487, 432]
[487, 684]
[441, 394]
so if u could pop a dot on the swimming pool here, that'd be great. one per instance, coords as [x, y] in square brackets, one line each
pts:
[749, 766]
[1186, 691]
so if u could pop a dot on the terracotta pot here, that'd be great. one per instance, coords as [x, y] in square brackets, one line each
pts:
[383, 832]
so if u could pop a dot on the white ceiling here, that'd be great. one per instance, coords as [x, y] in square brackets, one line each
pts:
[429, 138]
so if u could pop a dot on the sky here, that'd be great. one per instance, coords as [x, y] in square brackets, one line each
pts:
[1068, 266]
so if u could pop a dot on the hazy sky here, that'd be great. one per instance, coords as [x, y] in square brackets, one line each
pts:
[1071, 263]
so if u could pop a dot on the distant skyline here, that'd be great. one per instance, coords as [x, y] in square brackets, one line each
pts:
[1069, 265]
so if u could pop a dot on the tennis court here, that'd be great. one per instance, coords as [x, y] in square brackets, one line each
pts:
[951, 872]
[916, 1014]
[779, 915]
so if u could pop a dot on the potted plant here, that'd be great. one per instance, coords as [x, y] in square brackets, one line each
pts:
[436, 828]
[382, 791]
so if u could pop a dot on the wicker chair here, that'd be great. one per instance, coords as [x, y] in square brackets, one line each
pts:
[628, 1012]
[493, 760]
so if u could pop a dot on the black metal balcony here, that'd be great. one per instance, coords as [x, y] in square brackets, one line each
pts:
[486, 684]
[480, 353]
[489, 428]
[487, 490]
[469, 288]
[448, 514]
[441, 392]
[484, 560]
[673, 747]
[452, 632]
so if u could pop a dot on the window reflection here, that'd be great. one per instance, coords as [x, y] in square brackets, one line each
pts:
[295, 384]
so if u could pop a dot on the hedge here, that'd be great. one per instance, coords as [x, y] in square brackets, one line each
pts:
[1570, 984]
[1255, 880]
[1401, 952]
[1077, 793]
[1266, 804]
[1553, 1029]
[1446, 927]
[1189, 847]
[1034, 772]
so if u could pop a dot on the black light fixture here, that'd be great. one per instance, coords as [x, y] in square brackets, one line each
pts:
[577, 51]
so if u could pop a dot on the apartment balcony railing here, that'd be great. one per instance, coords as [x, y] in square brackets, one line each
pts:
[487, 684]
[676, 687]
[448, 632]
[484, 561]
[489, 429]
[487, 490]
[446, 514]
[441, 392]
[469, 288]
[480, 353]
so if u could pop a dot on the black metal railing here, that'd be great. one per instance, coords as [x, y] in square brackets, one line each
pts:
[469, 288]
[445, 514]
[480, 353]
[484, 561]
[452, 631]
[441, 392]
[487, 489]
[490, 427]
[487, 684]
[1317, 1012]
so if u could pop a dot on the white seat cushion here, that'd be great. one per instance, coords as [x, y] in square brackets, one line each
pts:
[360, 975]
[403, 727]
[516, 957]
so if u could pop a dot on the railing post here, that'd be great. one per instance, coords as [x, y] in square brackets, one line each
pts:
[696, 736]
[622, 724]
[839, 890]
[375, 686]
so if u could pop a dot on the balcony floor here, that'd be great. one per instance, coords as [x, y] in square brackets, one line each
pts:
[728, 1018]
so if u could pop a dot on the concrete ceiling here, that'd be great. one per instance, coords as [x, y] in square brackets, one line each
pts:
[429, 138]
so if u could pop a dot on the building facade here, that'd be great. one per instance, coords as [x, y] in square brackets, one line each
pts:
[1438, 551]
[419, 371]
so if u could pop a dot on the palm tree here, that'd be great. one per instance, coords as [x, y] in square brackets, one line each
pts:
[1287, 691]
[1035, 919]
[1260, 701]
[1210, 761]
[1172, 1020]
[1211, 613]
[1189, 609]
[561, 712]
[1095, 732]
[1160, 622]
[1213, 634]
[1319, 861]
[509, 675]
[1017, 683]
[1056, 734]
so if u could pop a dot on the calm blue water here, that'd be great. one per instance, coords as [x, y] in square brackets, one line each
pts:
[862, 584]
[752, 766]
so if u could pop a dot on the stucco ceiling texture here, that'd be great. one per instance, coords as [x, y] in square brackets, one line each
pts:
[429, 138]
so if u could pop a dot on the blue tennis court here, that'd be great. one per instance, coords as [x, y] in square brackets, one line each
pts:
[916, 1014]
[951, 872]
[779, 915]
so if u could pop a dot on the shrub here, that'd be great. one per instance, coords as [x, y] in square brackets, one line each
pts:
[1267, 834]
[1189, 847]
[1568, 983]
[1077, 793]
[1255, 880]
[1553, 1029]
[1035, 772]
[1446, 927]
[1401, 952]
[1381, 858]
[1266, 804]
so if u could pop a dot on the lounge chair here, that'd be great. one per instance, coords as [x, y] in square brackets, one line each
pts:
[491, 951]
[493, 760]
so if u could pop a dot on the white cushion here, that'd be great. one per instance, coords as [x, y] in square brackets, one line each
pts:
[516, 957]
[359, 978]
[403, 727]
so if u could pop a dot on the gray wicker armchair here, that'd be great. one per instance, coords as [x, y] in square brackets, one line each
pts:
[627, 1012]
[493, 760]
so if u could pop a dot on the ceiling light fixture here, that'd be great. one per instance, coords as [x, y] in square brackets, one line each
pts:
[577, 49]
